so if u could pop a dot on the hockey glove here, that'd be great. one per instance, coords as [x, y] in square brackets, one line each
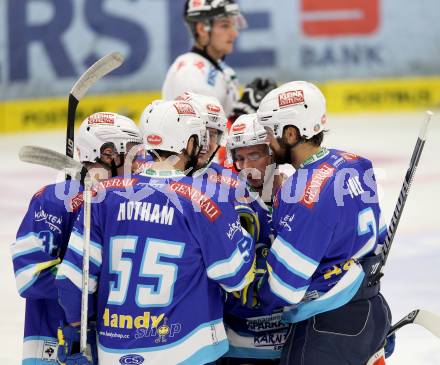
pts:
[249, 220]
[248, 295]
[389, 345]
[69, 346]
[252, 96]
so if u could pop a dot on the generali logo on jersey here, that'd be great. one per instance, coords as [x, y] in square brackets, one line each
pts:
[315, 184]
[238, 127]
[221, 179]
[209, 209]
[292, 97]
[184, 108]
[117, 182]
[212, 108]
[154, 139]
[347, 156]
[101, 118]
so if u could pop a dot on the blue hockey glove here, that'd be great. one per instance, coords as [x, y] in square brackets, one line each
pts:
[69, 346]
[389, 345]
[249, 220]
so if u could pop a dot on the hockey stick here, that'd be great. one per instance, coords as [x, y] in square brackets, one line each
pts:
[424, 318]
[46, 157]
[417, 152]
[87, 195]
[95, 72]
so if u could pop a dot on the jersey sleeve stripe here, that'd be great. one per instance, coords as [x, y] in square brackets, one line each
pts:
[226, 268]
[249, 277]
[339, 295]
[70, 272]
[25, 277]
[76, 243]
[292, 259]
[26, 245]
[285, 291]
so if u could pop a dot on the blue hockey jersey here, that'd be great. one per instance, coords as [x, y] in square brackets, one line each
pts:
[159, 259]
[40, 243]
[252, 333]
[326, 216]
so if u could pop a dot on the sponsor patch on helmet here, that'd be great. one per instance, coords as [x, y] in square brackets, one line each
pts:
[212, 108]
[184, 108]
[238, 127]
[292, 97]
[101, 118]
[154, 139]
[324, 119]
[196, 4]
[131, 359]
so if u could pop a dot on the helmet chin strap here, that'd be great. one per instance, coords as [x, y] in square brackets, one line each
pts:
[191, 163]
[112, 165]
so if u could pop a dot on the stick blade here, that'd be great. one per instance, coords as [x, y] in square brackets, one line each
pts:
[46, 157]
[430, 321]
[95, 72]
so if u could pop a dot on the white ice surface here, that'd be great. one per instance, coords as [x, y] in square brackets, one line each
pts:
[412, 276]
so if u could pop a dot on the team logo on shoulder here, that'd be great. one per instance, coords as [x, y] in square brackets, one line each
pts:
[292, 97]
[184, 108]
[315, 184]
[101, 118]
[131, 359]
[154, 139]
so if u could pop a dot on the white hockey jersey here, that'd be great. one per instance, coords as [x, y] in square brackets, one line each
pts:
[194, 72]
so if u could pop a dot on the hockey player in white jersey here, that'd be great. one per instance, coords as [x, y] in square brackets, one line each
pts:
[102, 143]
[214, 26]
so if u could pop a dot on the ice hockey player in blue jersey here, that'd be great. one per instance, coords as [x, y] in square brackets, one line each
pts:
[254, 337]
[160, 255]
[328, 230]
[44, 232]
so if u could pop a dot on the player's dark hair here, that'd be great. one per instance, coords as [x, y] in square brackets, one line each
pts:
[317, 139]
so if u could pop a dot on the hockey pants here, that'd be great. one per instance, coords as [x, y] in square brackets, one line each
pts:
[348, 335]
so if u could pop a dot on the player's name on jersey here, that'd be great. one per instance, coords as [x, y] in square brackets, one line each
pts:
[126, 321]
[146, 212]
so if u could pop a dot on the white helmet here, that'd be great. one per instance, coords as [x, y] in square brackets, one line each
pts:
[297, 103]
[101, 128]
[168, 125]
[244, 132]
[211, 112]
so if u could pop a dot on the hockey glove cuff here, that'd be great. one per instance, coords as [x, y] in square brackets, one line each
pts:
[69, 346]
